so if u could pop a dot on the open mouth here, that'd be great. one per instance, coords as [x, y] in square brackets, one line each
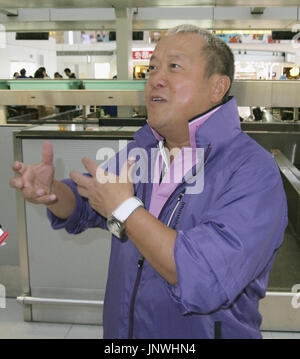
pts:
[157, 99]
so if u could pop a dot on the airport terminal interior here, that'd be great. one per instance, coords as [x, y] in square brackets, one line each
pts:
[73, 72]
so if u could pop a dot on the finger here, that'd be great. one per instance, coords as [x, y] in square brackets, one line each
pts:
[34, 195]
[126, 171]
[130, 165]
[16, 182]
[19, 167]
[29, 193]
[47, 153]
[41, 192]
[90, 165]
[80, 179]
[47, 199]
[83, 191]
[103, 176]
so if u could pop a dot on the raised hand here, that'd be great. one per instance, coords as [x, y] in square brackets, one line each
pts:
[104, 191]
[36, 180]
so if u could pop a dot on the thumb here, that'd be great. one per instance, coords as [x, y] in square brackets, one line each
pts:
[16, 182]
[127, 171]
[47, 153]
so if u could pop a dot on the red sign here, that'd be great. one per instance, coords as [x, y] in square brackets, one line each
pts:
[141, 55]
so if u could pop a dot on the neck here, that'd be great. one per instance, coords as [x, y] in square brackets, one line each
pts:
[175, 147]
[178, 139]
[177, 144]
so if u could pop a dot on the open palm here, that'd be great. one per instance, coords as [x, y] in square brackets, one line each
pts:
[36, 180]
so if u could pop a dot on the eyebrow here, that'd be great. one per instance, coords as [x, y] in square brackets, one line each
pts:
[172, 56]
[152, 57]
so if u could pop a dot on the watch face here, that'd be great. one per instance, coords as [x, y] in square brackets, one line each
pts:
[114, 226]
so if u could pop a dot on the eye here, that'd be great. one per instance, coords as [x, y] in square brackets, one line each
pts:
[152, 68]
[175, 66]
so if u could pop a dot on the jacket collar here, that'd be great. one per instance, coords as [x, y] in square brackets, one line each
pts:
[219, 128]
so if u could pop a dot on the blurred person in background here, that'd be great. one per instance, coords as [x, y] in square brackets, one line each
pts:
[69, 73]
[22, 74]
[57, 75]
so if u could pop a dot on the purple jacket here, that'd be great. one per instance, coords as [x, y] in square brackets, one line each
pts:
[227, 238]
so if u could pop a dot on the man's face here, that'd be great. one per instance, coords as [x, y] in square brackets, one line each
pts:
[177, 89]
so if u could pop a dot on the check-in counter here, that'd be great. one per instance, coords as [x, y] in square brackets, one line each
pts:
[64, 276]
[283, 126]
[287, 142]
[280, 308]
[9, 254]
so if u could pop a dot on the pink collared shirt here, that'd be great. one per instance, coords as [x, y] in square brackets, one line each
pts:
[184, 160]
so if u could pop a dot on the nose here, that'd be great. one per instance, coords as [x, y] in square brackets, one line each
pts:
[158, 79]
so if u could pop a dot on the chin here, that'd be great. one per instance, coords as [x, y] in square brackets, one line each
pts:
[155, 122]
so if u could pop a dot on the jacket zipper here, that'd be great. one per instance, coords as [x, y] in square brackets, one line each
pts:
[137, 282]
[134, 293]
[142, 259]
[139, 274]
[175, 208]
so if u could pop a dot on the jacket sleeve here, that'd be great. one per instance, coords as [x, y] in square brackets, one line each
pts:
[83, 217]
[234, 243]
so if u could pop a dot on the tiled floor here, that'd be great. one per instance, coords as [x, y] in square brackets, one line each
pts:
[12, 326]
[281, 335]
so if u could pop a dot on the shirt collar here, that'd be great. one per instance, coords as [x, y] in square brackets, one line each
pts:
[194, 124]
[223, 126]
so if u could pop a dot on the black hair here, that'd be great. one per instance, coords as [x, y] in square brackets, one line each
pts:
[39, 74]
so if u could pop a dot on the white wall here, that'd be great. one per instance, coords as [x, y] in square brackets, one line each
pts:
[4, 64]
[85, 69]
[34, 52]
[80, 66]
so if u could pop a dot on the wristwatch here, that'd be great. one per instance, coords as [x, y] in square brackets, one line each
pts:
[116, 222]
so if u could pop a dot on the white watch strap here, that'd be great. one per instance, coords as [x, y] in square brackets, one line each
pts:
[126, 208]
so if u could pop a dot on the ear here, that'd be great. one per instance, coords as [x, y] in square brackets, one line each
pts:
[220, 85]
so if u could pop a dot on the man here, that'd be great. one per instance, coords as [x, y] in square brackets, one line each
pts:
[22, 74]
[185, 262]
[69, 73]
